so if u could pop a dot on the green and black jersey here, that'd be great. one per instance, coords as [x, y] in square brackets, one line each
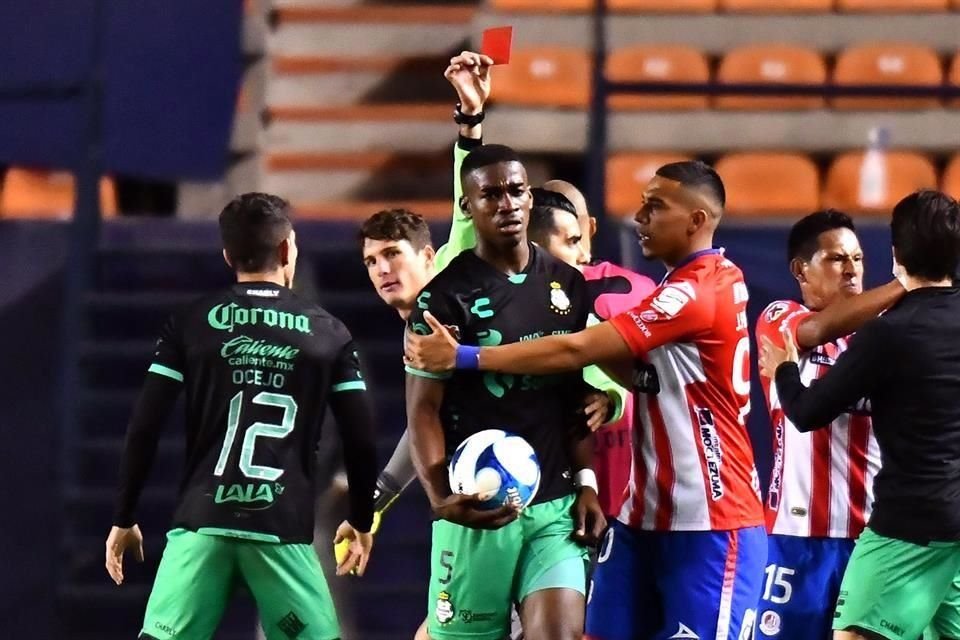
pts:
[488, 307]
[259, 366]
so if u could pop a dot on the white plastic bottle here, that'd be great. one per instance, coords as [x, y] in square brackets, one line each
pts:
[873, 171]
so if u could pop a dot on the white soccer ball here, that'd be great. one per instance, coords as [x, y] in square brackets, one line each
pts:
[501, 467]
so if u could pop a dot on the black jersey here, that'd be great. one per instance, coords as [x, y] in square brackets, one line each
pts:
[488, 307]
[259, 365]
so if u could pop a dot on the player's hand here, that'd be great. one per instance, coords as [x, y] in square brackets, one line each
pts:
[469, 73]
[436, 352]
[596, 408]
[358, 553]
[119, 540]
[341, 549]
[465, 510]
[772, 356]
[589, 521]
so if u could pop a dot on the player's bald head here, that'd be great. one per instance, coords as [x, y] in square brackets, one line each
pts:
[571, 193]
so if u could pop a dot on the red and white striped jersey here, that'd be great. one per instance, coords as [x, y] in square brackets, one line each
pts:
[693, 464]
[821, 484]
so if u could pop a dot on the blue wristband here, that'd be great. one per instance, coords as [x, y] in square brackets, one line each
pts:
[468, 357]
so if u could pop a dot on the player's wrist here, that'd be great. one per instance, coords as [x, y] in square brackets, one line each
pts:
[586, 479]
[467, 357]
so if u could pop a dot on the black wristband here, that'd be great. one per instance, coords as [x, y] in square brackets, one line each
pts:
[470, 120]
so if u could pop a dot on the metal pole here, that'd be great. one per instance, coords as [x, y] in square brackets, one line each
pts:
[605, 243]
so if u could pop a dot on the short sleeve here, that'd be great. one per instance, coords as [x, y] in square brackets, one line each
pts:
[169, 359]
[778, 316]
[434, 301]
[672, 312]
[347, 374]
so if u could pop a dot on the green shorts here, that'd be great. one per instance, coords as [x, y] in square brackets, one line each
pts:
[198, 574]
[896, 588]
[476, 575]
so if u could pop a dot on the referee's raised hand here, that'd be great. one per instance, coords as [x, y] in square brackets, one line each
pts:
[469, 73]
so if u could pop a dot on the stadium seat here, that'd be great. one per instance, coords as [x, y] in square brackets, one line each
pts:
[775, 63]
[542, 6]
[31, 193]
[906, 172]
[890, 64]
[544, 76]
[955, 76]
[769, 183]
[950, 184]
[658, 63]
[663, 6]
[884, 6]
[777, 6]
[627, 176]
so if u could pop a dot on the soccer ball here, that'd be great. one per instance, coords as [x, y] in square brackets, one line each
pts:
[501, 467]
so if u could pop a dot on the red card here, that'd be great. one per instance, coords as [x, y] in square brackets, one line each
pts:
[496, 44]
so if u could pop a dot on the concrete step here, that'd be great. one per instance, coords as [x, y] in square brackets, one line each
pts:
[308, 29]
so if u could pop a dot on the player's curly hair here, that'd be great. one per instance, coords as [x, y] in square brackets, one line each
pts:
[396, 224]
[252, 226]
[925, 230]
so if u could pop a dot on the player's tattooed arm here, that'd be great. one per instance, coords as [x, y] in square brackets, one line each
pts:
[847, 315]
[396, 476]
[600, 343]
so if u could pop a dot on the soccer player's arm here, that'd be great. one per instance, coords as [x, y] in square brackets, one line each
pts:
[780, 316]
[855, 375]
[352, 409]
[669, 313]
[424, 398]
[462, 235]
[846, 316]
[154, 405]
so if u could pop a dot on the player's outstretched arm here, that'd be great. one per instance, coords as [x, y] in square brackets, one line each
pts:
[438, 351]
[157, 399]
[856, 374]
[846, 316]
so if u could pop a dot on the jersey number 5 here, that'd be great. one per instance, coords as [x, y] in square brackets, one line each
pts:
[265, 429]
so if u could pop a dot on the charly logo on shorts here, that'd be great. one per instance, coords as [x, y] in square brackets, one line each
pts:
[770, 623]
[445, 611]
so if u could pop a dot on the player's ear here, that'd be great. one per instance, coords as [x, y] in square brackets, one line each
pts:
[698, 218]
[430, 254]
[593, 226]
[226, 259]
[283, 252]
[797, 268]
[464, 206]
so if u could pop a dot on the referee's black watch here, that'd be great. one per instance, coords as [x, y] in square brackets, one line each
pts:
[469, 120]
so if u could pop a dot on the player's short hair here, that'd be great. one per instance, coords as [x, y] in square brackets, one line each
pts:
[803, 240]
[696, 175]
[925, 230]
[486, 155]
[396, 224]
[252, 226]
[545, 205]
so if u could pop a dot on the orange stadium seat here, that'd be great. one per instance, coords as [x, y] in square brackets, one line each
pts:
[658, 63]
[955, 77]
[769, 183]
[887, 63]
[542, 6]
[777, 6]
[882, 6]
[544, 76]
[906, 172]
[663, 6]
[627, 176]
[950, 184]
[31, 193]
[775, 63]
